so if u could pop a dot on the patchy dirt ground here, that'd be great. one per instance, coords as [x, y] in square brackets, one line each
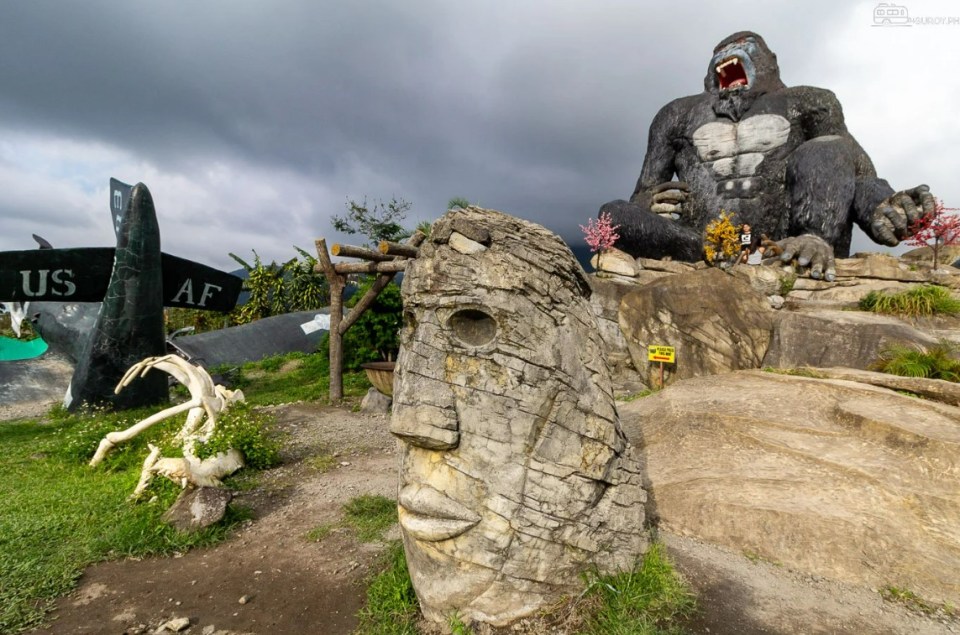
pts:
[270, 579]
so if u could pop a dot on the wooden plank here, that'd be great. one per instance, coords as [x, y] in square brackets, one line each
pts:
[393, 266]
[398, 249]
[349, 251]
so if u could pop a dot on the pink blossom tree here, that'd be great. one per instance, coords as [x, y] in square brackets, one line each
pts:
[600, 234]
[940, 228]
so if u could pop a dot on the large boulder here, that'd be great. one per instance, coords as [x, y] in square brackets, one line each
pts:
[715, 321]
[837, 338]
[833, 478]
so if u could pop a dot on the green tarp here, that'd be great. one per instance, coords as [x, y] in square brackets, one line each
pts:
[11, 349]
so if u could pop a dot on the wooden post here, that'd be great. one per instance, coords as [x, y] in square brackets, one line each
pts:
[386, 263]
[337, 282]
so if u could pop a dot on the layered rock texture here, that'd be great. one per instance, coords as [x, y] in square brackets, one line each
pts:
[515, 476]
[833, 477]
[756, 316]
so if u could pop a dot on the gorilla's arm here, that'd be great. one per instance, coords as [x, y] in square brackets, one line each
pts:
[643, 232]
[884, 215]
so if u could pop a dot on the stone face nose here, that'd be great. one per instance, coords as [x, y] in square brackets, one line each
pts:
[426, 426]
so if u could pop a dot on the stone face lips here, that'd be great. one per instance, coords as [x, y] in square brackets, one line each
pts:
[129, 326]
[515, 476]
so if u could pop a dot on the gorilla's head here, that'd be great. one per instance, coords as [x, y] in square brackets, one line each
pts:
[742, 68]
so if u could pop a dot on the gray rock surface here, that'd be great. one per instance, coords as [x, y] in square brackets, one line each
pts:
[715, 321]
[515, 477]
[836, 338]
[375, 402]
[197, 508]
[614, 261]
[832, 478]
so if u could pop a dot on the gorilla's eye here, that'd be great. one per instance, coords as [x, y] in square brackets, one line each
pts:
[473, 327]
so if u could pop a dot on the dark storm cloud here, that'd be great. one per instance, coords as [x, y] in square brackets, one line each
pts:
[260, 119]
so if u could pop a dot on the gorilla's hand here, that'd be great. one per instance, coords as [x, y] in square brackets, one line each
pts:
[812, 251]
[892, 218]
[668, 198]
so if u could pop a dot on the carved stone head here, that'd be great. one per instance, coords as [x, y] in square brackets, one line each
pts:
[514, 475]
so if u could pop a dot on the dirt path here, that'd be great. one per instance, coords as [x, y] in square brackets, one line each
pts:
[292, 585]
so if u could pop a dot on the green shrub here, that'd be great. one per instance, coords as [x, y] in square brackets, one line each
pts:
[245, 429]
[922, 300]
[375, 336]
[936, 362]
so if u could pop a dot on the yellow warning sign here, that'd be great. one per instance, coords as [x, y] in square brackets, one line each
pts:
[661, 354]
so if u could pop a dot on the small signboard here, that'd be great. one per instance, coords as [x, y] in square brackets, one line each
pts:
[666, 354]
[119, 197]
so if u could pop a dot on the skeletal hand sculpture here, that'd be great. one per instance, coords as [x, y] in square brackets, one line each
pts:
[206, 399]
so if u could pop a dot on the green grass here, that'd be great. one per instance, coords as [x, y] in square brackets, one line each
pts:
[940, 361]
[919, 301]
[638, 395]
[370, 515]
[916, 603]
[58, 515]
[650, 600]
[318, 533]
[392, 607]
[307, 380]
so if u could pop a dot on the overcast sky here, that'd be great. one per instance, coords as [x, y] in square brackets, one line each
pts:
[252, 122]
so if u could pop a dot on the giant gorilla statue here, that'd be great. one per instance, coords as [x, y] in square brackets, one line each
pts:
[781, 158]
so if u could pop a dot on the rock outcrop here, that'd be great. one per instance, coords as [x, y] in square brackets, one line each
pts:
[715, 321]
[834, 478]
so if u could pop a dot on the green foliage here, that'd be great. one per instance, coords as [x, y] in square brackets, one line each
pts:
[940, 361]
[375, 336]
[280, 288]
[458, 627]
[721, 239]
[245, 429]
[786, 284]
[458, 201]
[293, 377]
[919, 301]
[176, 318]
[392, 607]
[27, 331]
[646, 392]
[650, 599]
[370, 516]
[379, 222]
[60, 516]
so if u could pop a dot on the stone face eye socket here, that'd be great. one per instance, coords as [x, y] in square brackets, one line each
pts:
[473, 327]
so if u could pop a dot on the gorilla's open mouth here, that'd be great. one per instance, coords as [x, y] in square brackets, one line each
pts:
[731, 74]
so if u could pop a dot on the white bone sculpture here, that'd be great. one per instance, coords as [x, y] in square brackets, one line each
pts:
[206, 399]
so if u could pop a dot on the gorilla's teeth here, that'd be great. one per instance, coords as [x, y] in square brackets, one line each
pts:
[732, 60]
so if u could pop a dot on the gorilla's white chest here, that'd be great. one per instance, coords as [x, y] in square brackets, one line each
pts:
[735, 149]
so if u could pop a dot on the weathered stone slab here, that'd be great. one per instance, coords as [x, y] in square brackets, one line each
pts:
[716, 322]
[614, 261]
[882, 266]
[515, 477]
[836, 338]
[832, 478]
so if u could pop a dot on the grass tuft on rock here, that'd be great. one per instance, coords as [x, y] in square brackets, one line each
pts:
[940, 361]
[923, 300]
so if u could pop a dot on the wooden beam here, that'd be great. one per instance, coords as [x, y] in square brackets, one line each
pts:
[349, 251]
[392, 266]
[398, 249]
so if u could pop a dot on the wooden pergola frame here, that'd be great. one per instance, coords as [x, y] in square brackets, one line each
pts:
[389, 259]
